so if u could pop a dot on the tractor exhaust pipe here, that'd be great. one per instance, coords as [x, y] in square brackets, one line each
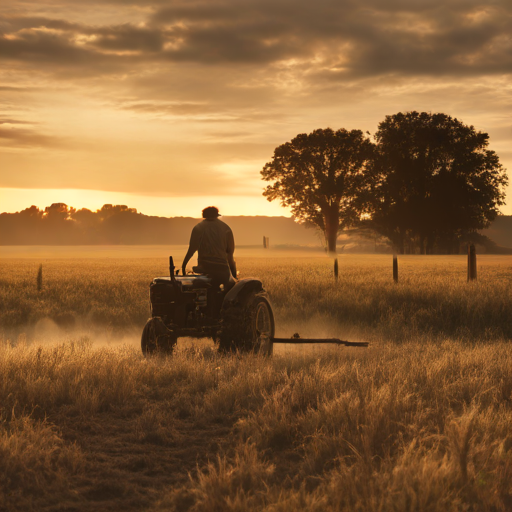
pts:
[171, 268]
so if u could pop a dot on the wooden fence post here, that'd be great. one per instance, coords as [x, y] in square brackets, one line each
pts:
[471, 262]
[40, 278]
[264, 242]
[336, 268]
[395, 268]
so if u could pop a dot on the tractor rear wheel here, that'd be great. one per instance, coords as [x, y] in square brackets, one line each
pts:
[248, 327]
[157, 338]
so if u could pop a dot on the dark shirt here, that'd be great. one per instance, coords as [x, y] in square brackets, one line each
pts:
[213, 240]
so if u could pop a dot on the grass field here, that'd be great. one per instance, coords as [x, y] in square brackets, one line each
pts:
[418, 421]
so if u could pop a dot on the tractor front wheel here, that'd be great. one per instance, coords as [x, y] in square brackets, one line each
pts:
[157, 338]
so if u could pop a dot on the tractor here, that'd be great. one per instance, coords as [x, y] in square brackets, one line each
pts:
[239, 319]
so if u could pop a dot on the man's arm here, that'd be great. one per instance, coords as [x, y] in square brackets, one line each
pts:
[193, 246]
[232, 265]
[189, 255]
[230, 251]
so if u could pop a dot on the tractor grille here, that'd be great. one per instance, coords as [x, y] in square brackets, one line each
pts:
[163, 299]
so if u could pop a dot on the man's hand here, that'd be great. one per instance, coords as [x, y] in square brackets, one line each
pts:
[187, 258]
[232, 265]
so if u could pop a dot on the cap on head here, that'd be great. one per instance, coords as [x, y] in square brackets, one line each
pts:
[211, 212]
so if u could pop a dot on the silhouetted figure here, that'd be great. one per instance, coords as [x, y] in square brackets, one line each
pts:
[214, 242]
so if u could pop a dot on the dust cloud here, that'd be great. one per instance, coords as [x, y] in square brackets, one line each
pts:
[46, 332]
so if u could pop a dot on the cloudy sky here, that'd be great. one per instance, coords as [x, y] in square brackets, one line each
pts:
[172, 105]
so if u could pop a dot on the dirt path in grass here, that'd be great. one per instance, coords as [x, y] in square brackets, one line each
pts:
[124, 470]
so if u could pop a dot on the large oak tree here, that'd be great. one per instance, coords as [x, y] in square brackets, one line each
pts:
[435, 181]
[321, 177]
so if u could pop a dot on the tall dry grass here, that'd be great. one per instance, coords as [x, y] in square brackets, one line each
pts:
[416, 428]
[432, 299]
[424, 424]
[411, 427]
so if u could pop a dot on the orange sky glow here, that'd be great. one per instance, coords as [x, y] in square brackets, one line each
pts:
[170, 106]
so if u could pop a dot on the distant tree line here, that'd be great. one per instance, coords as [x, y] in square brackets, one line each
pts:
[60, 224]
[426, 182]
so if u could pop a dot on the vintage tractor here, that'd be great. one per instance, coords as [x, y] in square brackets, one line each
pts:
[238, 320]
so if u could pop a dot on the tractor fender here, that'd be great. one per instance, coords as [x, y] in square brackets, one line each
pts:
[241, 291]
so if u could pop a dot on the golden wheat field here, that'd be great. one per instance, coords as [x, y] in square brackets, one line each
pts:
[419, 421]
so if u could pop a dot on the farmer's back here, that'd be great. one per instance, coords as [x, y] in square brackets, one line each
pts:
[214, 241]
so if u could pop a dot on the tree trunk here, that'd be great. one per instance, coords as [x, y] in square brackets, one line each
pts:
[400, 245]
[423, 249]
[332, 225]
[430, 244]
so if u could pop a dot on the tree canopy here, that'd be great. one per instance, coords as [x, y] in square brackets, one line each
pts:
[434, 180]
[321, 176]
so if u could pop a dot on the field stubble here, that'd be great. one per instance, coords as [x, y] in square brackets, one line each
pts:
[422, 424]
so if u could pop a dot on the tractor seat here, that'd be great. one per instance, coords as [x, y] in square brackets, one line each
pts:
[214, 280]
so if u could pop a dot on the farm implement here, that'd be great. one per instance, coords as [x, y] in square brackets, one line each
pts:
[237, 319]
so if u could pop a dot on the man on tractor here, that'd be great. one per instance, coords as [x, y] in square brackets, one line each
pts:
[214, 242]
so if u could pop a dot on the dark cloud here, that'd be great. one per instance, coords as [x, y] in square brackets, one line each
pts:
[44, 47]
[26, 138]
[370, 38]
[10, 24]
[70, 49]
[8, 88]
[13, 121]
[129, 38]
[226, 135]
[345, 37]
[178, 109]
